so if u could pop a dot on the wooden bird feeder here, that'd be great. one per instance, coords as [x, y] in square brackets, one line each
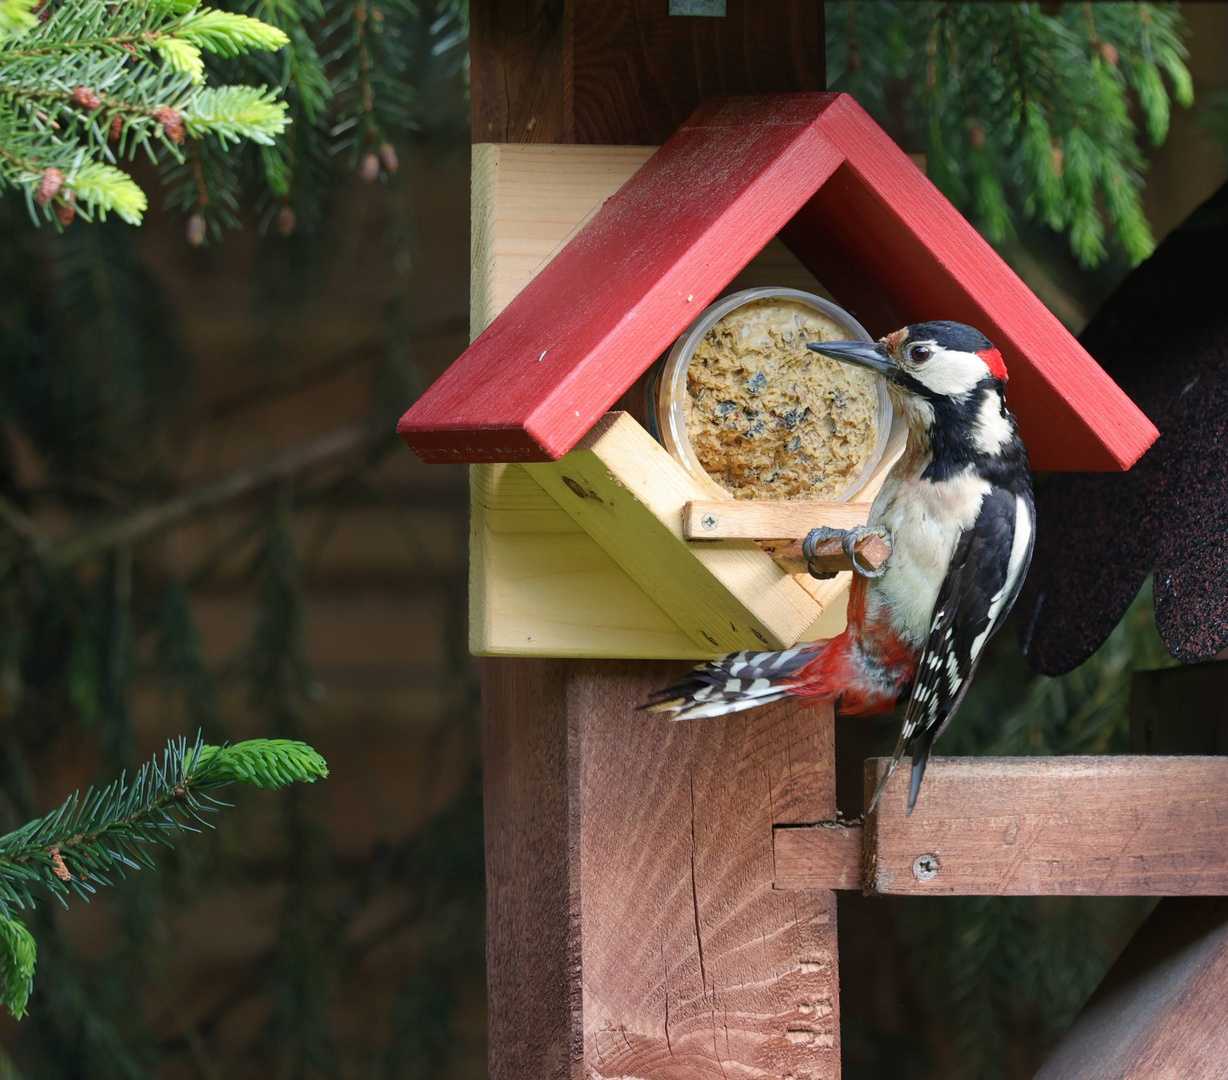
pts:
[660, 898]
[588, 539]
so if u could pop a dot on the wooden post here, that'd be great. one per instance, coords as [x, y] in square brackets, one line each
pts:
[633, 927]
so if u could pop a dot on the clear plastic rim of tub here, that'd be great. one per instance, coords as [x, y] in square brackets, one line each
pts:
[670, 384]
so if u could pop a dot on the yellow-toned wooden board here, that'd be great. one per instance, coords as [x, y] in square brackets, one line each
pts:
[540, 586]
[766, 519]
[627, 493]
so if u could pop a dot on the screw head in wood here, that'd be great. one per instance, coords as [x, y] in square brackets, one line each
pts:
[925, 867]
[708, 521]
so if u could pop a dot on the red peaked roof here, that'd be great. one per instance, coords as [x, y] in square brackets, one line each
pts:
[854, 209]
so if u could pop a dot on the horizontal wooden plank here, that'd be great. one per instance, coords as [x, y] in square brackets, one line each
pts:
[1091, 826]
[826, 856]
[766, 519]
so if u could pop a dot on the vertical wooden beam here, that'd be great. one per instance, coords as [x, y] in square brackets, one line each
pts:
[633, 927]
[626, 72]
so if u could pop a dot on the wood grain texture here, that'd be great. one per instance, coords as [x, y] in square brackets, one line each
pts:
[766, 519]
[818, 856]
[540, 586]
[1091, 826]
[1159, 1014]
[633, 926]
[531, 876]
[625, 71]
[623, 488]
[858, 213]
[693, 965]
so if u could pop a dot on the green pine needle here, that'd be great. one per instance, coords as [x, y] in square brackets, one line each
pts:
[17, 957]
[16, 17]
[263, 763]
[228, 34]
[77, 848]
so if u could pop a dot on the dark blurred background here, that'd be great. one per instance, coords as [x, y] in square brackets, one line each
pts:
[338, 931]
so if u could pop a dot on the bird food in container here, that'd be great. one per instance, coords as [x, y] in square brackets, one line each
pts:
[754, 414]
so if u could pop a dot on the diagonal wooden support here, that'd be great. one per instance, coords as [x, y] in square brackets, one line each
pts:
[1159, 1014]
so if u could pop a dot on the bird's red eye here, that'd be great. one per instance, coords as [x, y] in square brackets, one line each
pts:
[918, 354]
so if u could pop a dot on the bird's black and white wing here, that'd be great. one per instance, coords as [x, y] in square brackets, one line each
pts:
[986, 573]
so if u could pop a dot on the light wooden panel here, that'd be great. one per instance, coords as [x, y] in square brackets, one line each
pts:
[539, 585]
[1092, 826]
[627, 493]
[766, 519]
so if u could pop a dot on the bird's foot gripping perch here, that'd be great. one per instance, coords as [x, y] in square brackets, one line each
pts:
[819, 543]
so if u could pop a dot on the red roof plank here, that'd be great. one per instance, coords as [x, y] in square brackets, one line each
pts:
[866, 221]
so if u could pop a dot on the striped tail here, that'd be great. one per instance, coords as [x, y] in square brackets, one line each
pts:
[742, 680]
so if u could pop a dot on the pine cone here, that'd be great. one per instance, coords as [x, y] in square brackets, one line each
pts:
[388, 158]
[369, 169]
[117, 127]
[285, 221]
[86, 99]
[172, 123]
[49, 186]
[66, 211]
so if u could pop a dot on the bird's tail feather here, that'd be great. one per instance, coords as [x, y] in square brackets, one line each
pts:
[918, 747]
[742, 680]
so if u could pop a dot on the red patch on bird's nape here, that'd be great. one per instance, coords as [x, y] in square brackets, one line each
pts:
[993, 361]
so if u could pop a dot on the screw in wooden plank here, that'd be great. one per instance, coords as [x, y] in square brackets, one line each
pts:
[925, 867]
[709, 522]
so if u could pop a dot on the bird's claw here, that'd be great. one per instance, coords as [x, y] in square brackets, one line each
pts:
[853, 537]
[813, 538]
[849, 539]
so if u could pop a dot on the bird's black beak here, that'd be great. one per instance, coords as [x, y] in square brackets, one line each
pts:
[866, 354]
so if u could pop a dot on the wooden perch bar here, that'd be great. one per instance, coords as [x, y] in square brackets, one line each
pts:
[1090, 826]
[780, 526]
[829, 557]
[766, 519]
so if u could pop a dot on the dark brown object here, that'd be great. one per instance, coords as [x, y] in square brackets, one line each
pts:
[633, 926]
[1159, 1013]
[1163, 336]
[1180, 710]
[626, 71]
[1091, 826]
[829, 557]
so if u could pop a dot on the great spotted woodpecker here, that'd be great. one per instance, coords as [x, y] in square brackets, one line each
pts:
[958, 509]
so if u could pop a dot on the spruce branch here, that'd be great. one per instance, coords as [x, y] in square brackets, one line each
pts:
[98, 82]
[108, 831]
[1024, 112]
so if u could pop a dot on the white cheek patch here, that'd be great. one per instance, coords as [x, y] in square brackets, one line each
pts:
[950, 373]
[992, 430]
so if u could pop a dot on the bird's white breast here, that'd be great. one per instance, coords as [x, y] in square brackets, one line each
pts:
[925, 521]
